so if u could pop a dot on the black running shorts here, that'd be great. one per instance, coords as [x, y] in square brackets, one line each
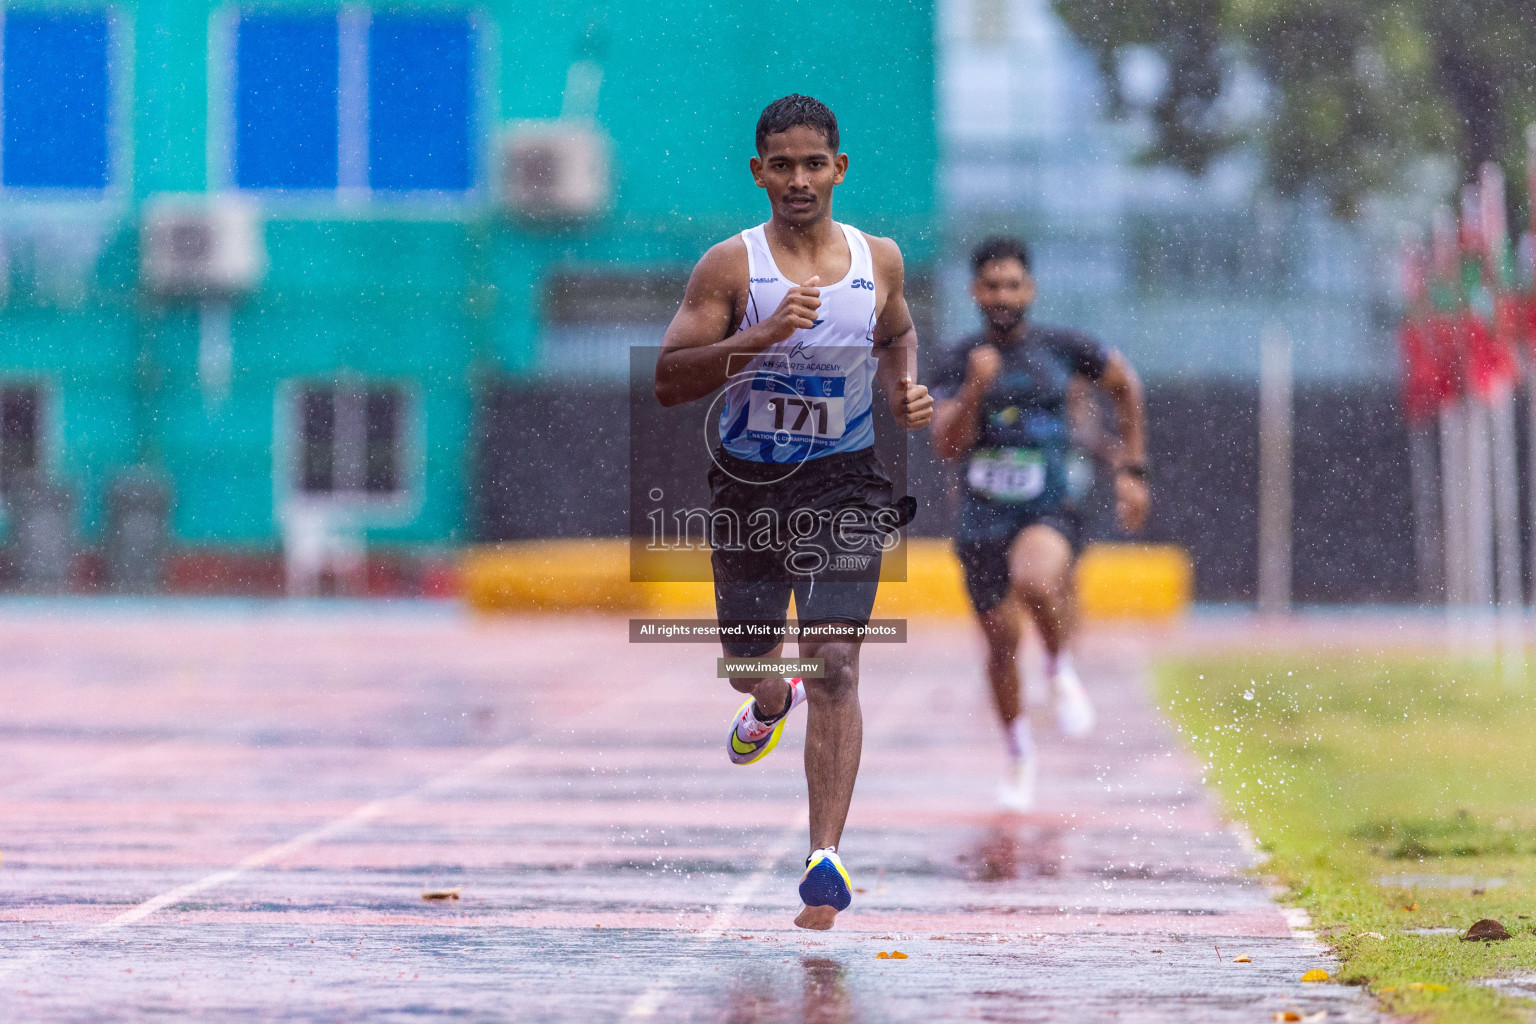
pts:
[815, 531]
[984, 554]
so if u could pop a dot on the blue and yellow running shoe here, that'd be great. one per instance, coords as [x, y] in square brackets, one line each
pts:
[825, 889]
[752, 740]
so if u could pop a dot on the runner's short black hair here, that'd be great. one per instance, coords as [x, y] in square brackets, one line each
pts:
[793, 111]
[999, 247]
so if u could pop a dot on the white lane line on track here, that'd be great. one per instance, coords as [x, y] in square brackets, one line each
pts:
[500, 758]
[503, 757]
[649, 1002]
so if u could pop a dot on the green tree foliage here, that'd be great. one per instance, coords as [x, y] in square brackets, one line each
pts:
[1357, 88]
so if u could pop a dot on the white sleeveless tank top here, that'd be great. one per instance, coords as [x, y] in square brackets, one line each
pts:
[810, 395]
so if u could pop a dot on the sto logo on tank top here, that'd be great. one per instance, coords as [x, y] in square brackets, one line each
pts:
[810, 395]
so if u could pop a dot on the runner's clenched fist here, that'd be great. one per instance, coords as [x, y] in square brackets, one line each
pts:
[797, 311]
[912, 406]
[982, 366]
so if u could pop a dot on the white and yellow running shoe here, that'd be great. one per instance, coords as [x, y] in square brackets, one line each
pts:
[752, 740]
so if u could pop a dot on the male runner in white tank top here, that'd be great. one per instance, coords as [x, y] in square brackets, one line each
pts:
[796, 462]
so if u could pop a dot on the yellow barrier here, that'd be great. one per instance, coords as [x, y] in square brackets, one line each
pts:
[552, 576]
[1134, 581]
[1113, 581]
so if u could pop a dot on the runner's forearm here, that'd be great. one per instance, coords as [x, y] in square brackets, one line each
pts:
[954, 422]
[897, 359]
[1131, 415]
[686, 373]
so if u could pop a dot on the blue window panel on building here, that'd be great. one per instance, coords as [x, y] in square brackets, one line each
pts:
[286, 74]
[57, 94]
[420, 103]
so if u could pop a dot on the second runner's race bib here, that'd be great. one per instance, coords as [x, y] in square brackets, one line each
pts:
[1007, 474]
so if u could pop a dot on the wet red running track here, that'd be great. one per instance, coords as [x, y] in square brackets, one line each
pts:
[231, 811]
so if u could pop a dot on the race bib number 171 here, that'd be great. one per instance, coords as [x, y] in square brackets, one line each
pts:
[786, 408]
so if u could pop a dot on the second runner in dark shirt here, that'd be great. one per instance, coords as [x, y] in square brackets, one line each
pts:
[1018, 469]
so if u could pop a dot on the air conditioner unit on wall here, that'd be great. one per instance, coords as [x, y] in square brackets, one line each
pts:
[198, 246]
[554, 171]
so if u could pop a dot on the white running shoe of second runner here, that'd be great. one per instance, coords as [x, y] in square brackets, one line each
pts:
[1074, 711]
[1017, 793]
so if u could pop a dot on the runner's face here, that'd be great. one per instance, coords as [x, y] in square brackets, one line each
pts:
[798, 169]
[1003, 290]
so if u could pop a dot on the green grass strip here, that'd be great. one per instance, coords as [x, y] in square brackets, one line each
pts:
[1392, 795]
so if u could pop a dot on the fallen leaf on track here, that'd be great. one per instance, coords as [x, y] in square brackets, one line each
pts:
[1315, 974]
[442, 894]
[1242, 960]
[1286, 1015]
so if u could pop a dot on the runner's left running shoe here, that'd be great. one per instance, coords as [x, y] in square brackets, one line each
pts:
[1074, 711]
[1017, 793]
[825, 889]
[751, 740]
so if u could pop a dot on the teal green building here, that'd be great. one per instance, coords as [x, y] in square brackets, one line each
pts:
[277, 252]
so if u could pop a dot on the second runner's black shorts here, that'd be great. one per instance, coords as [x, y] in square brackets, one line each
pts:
[832, 515]
[985, 536]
